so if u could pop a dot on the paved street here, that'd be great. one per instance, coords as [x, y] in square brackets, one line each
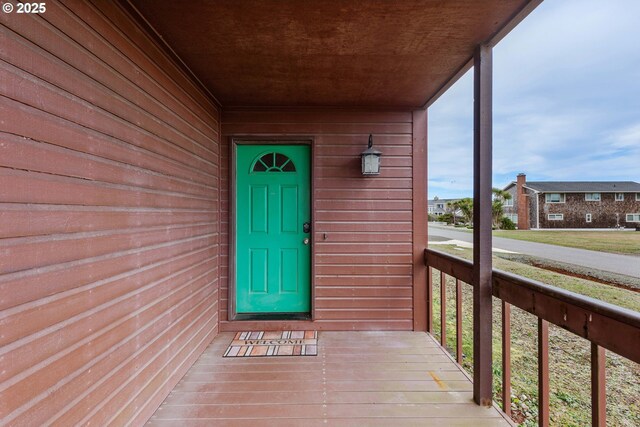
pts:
[621, 264]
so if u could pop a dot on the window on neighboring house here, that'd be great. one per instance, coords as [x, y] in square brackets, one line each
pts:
[554, 197]
[588, 217]
[512, 217]
[592, 197]
[555, 217]
[508, 202]
[440, 205]
[619, 197]
[637, 197]
[634, 217]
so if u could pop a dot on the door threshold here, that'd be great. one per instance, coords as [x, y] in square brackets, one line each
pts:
[272, 316]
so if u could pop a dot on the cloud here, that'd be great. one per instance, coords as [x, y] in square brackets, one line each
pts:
[451, 141]
[626, 138]
[566, 104]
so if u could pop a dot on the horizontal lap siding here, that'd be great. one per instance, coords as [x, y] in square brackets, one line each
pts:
[363, 270]
[109, 197]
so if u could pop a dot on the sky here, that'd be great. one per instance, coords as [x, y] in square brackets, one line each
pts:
[566, 101]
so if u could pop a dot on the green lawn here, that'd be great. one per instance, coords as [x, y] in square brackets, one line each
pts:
[569, 354]
[618, 242]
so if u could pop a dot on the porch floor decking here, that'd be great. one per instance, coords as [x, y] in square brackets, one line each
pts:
[357, 379]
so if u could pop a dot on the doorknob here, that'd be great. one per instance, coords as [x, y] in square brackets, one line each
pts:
[305, 241]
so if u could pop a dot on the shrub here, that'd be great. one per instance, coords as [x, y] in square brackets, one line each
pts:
[448, 218]
[507, 224]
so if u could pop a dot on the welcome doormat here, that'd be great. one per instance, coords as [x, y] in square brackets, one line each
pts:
[280, 343]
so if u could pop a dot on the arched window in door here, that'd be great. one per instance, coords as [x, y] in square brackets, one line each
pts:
[273, 162]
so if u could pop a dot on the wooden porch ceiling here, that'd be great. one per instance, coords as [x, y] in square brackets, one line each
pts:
[341, 53]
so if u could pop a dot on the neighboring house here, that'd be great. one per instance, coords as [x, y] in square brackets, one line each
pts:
[439, 207]
[573, 204]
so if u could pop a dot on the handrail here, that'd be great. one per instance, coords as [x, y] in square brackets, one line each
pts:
[607, 325]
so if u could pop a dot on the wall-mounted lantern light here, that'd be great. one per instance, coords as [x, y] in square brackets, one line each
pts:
[371, 159]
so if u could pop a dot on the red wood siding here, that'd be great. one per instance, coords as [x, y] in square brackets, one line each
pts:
[364, 268]
[109, 197]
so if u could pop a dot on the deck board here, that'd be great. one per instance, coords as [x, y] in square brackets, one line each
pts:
[358, 378]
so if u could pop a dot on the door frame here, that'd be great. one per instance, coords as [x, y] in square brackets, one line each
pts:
[232, 314]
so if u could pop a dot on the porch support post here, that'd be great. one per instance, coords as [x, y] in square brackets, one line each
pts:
[482, 265]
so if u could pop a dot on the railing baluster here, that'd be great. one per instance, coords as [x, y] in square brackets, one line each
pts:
[506, 358]
[559, 305]
[543, 372]
[458, 321]
[430, 300]
[598, 389]
[443, 310]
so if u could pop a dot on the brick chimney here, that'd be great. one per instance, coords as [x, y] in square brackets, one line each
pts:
[523, 202]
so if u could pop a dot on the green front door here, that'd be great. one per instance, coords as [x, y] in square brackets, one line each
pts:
[273, 252]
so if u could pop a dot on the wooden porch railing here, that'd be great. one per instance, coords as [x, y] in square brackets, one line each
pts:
[606, 326]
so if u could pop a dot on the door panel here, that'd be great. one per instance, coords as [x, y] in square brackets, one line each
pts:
[258, 271]
[289, 270]
[258, 209]
[289, 220]
[272, 205]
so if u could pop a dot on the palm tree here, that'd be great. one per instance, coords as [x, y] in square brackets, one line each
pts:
[497, 213]
[453, 207]
[466, 207]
